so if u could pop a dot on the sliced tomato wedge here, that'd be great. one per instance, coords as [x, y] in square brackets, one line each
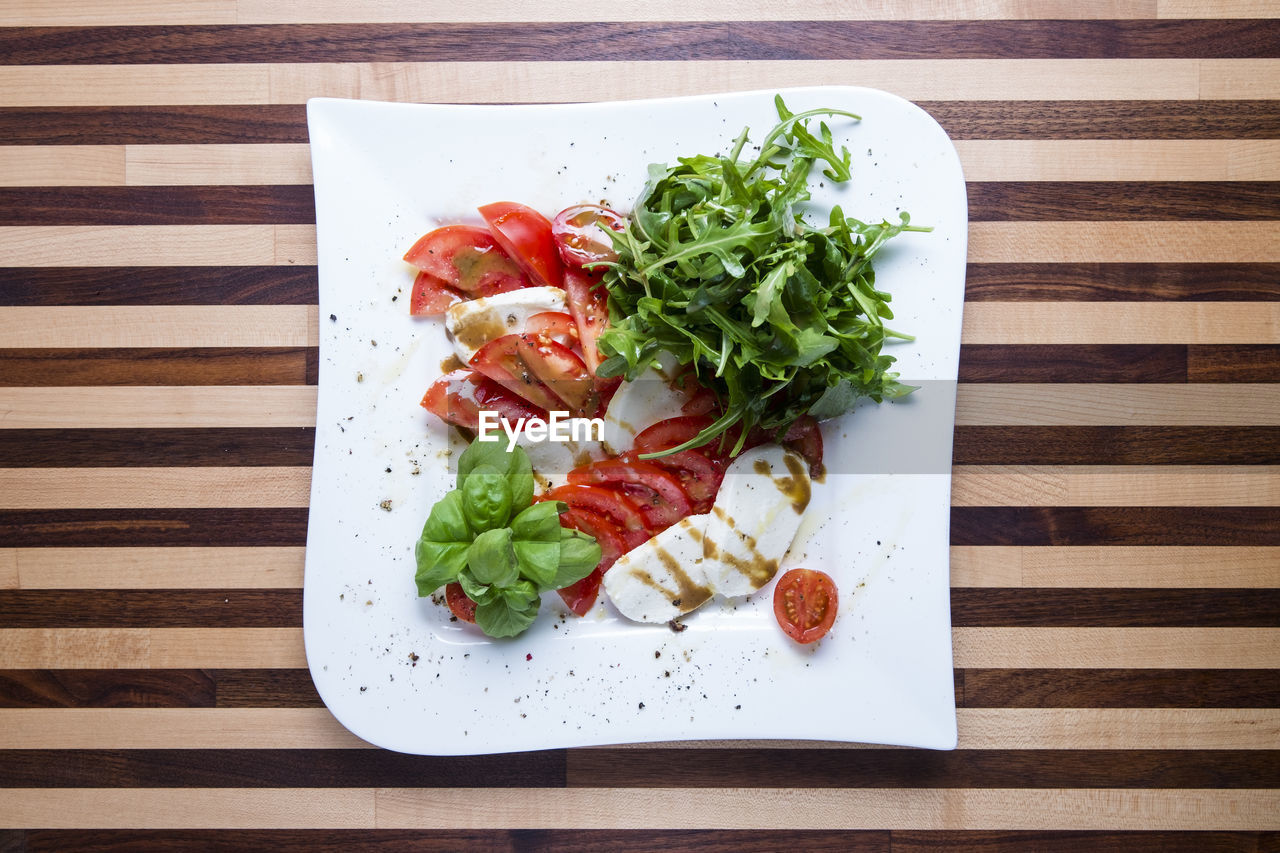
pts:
[582, 236]
[525, 235]
[805, 438]
[556, 325]
[699, 476]
[544, 372]
[460, 395]
[656, 492]
[609, 504]
[459, 604]
[468, 258]
[672, 432]
[431, 295]
[589, 305]
[581, 596]
[804, 602]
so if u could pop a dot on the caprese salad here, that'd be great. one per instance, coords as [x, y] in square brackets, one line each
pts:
[705, 335]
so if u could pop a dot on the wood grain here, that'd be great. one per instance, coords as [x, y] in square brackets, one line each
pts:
[1122, 282]
[145, 488]
[1035, 404]
[1102, 485]
[228, 567]
[120, 286]
[90, 448]
[1108, 567]
[158, 407]
[1038, 323]
[1120, 160]
[258, 527]
[1076, 525]
[164, 648]
[79, 366]
[1105, 445]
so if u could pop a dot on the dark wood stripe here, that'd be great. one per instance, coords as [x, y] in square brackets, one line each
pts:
[1058, 841]
[181, 205]
[1233, 363]
[1110, 608]
[33, 528]
[76, 366]
[998, 525]
[1115, 445]
[1131, 282]
[273, 285]
[268, 608]
[648, 768]
[285, 123]
[1118, 688]
[151, 608]
[578, 41]
[158, 688]
[101, 448]
[1073, 363]
[162, 125]
[1024, 201]
[294, 204]
[975, 688]
[277, 768]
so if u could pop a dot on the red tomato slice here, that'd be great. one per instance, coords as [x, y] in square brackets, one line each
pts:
[805, 438]
[609, 504]
[466, 257]
[804, 602]
[589, 305]
[581, 236]
[699, 476]
[580, 597]
[656, 492]
[459, 604]
[431, 296]
[544, 372]
[525, 235]
[673, 432]
[459, 396]
[556, 325]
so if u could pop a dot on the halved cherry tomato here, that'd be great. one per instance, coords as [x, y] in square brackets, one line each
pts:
[580, 596]
[805, 438]
[581, 236]
[460, 395]
[466, 257]
[556, 325]
[608, 503]
[544, 372]
[804, 602]
[431, 295]
[459, 604]
[589, 305]
[525, 235]
[655, 491]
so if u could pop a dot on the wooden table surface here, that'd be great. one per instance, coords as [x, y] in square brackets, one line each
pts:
[1115, 531]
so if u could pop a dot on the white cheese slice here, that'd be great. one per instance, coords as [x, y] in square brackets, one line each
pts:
[473, 323]
[755, 517]
[641, 403]
[663, 578]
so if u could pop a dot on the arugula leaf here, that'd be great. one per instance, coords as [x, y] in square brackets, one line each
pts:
[718, 266]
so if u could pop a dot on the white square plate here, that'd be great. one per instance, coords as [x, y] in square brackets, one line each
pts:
[397, 672]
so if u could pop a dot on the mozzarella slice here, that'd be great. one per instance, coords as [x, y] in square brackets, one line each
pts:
[473, 323]
[755, 517]
[641, 403]
[663, 578]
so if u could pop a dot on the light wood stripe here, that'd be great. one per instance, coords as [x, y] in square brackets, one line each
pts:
[152, 568]
[987, 648]
[981, 159]
[1116, 566]
[158, 407]
[1122, 648]
[1217, 9]
[1111, 485]
[1119, 159]
[159, 326]
[135, 12]
[156, 245]
[1121, 322]
[989, 242]
[972, 485]
[541, 82]
[1028, 404]
[149, 488]
[151, 648]
[316, 728]
[1036, 404]
[1120, 242]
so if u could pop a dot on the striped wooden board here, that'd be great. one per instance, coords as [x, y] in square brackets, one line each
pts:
[1116, 503]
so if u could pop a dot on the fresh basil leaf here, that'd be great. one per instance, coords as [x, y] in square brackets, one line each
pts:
[491, 558]
[498, 619]
[538, 561]
[438, 564]
[486, 498]
[447, 521]
[475, 590]
[539, 523]
[579, 554]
